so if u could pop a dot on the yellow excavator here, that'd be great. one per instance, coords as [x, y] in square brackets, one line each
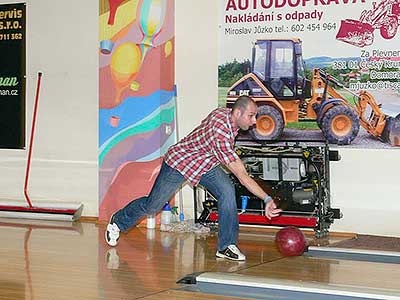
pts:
[278, 84]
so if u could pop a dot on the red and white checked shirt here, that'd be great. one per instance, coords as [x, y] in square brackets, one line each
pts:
[208, 145]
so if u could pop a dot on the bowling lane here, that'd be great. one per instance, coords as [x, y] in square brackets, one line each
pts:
[310, 278]
[354, 254]
[333, 272]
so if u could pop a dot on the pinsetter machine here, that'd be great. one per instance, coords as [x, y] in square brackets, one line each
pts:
[295, 174]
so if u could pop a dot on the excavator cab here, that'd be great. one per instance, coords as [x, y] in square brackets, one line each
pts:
[277, 83]
[279, 65]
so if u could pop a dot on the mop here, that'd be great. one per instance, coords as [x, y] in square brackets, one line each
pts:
[45, 211]
[181, 213]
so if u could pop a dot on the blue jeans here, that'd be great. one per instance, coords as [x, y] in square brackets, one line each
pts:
[167, 183]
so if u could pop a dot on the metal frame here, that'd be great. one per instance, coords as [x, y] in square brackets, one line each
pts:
[318, 215]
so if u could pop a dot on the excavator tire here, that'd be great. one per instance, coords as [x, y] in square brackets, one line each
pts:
[386, 131]
[389, 29]
[340, 125]
[269, 124]
[391, 132]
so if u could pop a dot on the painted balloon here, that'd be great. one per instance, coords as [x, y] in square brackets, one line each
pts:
[151, 19]
[125, 65]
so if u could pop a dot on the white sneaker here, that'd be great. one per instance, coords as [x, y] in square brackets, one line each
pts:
[112, 233]
[232, 252]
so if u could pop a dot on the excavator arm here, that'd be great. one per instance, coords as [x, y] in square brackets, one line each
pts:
[370, 115]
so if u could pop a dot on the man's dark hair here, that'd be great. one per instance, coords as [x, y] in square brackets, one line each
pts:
[242, 102]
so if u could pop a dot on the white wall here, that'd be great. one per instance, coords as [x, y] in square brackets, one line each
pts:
[196, 62]
[365, 184]
[61, 41]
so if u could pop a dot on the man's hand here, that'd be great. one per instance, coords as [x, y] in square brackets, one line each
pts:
[271, 210]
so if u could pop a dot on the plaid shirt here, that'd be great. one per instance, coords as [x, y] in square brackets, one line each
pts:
[208, 145]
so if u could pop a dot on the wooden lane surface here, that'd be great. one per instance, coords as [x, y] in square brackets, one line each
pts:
[157, 262]
[333, 272]
[42, 260]
[184, 295]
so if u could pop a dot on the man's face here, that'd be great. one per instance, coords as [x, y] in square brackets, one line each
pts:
[247, 118]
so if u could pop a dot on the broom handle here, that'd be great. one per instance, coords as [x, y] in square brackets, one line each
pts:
[28, 165]
[181, 214]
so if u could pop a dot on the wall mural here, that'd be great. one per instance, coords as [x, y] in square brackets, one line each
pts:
[136, 97]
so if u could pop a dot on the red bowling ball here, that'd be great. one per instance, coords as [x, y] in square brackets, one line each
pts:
[290, 241]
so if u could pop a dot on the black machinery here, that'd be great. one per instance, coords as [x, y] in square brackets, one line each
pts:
[295, 174]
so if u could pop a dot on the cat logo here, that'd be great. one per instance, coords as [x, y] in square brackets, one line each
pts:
[244, 92]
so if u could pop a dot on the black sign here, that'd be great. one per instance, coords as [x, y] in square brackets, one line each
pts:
[12, 76]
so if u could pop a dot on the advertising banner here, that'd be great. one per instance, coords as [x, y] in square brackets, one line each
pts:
[12, 76]
[325, 68]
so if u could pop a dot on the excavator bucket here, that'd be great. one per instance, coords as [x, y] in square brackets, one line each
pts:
[356, 33]
[391, 132]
